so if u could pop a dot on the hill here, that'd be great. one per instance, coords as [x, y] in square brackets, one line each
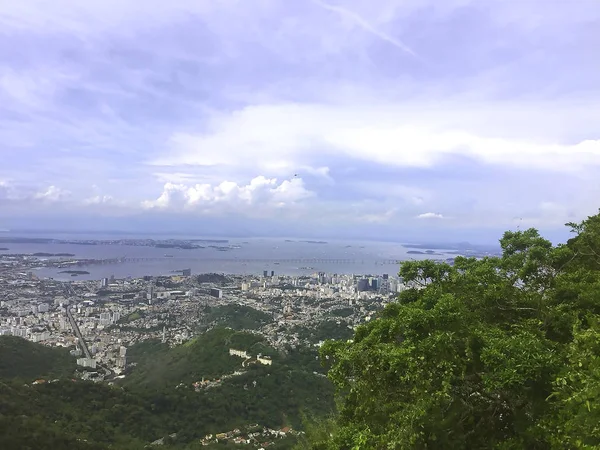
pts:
[207, 356]
[238, 317]
[237, 391]
[25, 359]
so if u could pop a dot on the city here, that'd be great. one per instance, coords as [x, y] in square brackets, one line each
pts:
[98, 321]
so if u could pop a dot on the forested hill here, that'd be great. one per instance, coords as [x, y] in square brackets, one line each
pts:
[20, 358]
[502, 352]
[162, 397]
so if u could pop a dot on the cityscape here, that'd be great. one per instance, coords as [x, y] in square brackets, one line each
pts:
[99, 320]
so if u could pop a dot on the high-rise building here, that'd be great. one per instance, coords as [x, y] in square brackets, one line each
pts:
[104, 282]
[265, 273]
[187, 272]
[363, 285]
[272, 273]
[218, 293]
[386, 276]
[105, 318]
[375, 284]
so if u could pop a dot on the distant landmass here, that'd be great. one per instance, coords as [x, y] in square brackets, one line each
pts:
[426, 252]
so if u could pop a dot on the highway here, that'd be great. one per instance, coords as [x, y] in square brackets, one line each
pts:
[78, 333]
[108, 374]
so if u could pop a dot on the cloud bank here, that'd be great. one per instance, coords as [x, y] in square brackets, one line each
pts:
[405, 116]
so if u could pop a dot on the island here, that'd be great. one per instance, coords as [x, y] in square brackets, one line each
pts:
[3, 249]
[43, 254]
[75, 272]
[426, 252]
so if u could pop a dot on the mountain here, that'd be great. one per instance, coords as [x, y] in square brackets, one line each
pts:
[24, 359]
[160, 399]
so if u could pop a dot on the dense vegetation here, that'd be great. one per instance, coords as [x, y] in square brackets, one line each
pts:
[207, 356]
[22, 358]
[214, 278]
[325, 329]
[157, 398]
[502, 352]
[238, 317]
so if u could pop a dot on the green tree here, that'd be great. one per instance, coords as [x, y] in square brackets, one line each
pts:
[499, 352]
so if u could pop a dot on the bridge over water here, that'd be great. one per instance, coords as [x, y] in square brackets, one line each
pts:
[302, 261]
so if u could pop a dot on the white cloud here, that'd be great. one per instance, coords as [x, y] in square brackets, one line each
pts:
[101, 200]
[279, 138]
[260, 194]
[430, 215]
[379, 217]
[52, 194]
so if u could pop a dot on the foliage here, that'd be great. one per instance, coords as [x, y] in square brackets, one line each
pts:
[153, 404]
[215, 278]
[238, 317]
[24, 359]
[501, 352]
[325, 329]
[159, 366]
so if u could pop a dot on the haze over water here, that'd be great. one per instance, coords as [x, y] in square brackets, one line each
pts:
[253, 256]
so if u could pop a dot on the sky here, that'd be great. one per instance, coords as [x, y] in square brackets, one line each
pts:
[394, 119]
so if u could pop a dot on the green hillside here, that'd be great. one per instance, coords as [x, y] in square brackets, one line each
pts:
[25, 359]
[206, 356]
[238, 317]
[157, 398]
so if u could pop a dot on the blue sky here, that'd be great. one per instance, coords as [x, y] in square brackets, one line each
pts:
[405, 119]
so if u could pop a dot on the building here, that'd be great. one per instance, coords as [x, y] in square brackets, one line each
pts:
[87, 362]
[265, 360]
[104, 282]
[105, 318]
[375, 284]
[362, 285]
[240, 353]
[218, 293]
[265, 273]
[187, 272]
[272, 273]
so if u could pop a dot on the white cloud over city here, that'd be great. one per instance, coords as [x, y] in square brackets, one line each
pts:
[375, 119]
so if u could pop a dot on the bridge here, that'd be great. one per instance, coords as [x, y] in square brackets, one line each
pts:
[304, 261]
[301, 261]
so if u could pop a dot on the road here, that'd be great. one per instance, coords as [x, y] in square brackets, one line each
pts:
[108, 373]
[78, 333]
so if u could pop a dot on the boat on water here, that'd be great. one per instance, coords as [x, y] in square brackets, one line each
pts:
[168, 256]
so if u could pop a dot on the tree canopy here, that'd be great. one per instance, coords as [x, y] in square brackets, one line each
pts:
[500, 352]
